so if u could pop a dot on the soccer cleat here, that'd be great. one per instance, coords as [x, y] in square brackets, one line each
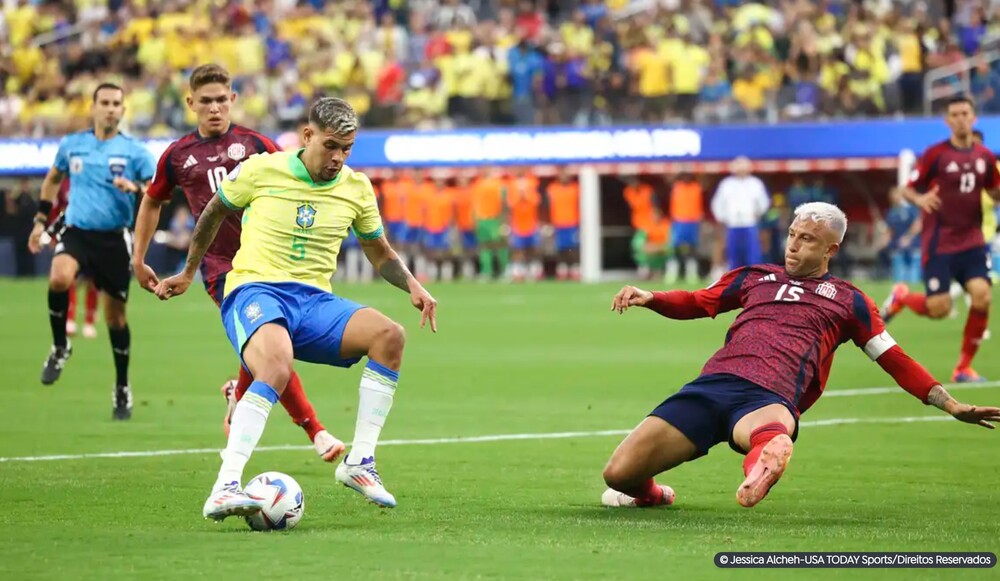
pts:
[230, 500]
[967, 375]
[766, 472]
[364, 479]
[229, 392]
[71, 327]
[894, 302]
[89, 331]
[614, 499]
[328, 447]
[58, 357]
[122, 400]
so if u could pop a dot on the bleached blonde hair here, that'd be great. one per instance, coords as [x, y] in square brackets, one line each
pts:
[824, 213]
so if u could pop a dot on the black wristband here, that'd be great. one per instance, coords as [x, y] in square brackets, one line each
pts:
[44, 207]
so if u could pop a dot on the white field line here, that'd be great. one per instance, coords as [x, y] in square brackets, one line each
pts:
[513, 437]
[437, 441]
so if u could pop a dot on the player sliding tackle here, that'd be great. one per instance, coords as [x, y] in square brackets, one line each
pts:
[278, 303]
[772, 368]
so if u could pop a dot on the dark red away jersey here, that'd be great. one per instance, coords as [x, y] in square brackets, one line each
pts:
[198, 165]
[785, 337]
[960, 175]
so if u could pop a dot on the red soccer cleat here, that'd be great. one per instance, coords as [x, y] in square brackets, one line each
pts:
[766, 472]
[967, 375]
[894, 302]
[614, 499]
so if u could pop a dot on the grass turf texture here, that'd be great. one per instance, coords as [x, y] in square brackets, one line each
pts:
[507, 360]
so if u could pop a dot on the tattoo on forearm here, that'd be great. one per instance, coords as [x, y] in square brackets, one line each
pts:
[939, 397]
[205, 231]
[395, 273]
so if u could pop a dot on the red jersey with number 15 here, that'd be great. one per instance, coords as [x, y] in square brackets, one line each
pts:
[198, 165]
[960, 175]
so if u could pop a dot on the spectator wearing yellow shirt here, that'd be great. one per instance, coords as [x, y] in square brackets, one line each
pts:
[652, 73]
[576, 35]
[911, 55]
[750, 95]
[688, 70]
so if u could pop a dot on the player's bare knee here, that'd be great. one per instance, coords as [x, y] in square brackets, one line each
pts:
[939, 307]
[981, 299]
[275, 372]
[389, 341]
[60, 280]
[115, 320]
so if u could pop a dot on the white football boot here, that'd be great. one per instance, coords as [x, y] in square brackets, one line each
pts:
[364, 479]
[230, 500]
[614, 499]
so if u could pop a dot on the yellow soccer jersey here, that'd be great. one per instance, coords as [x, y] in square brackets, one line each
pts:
[292, 226]
[989, 219]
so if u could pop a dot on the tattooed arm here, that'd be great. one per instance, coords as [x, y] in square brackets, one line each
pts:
[391, 268]
[941, 399]
[204, 234]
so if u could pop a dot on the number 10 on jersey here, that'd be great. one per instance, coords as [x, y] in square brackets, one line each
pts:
[215, 177]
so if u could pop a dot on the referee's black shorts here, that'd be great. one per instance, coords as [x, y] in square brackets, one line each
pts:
[104, 256]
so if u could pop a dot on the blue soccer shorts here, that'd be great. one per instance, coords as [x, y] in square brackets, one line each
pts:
[315, 319]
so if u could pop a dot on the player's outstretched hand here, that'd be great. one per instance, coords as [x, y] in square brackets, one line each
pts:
[174, 286]
[126, 185]
[630, 296]
[146, 277]
[35, 239]
[425, 303]
[929, 202]
[974, 414]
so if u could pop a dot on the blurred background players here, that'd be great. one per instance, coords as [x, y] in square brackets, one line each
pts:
[488, 206]
[651, 243]
[439, 216]
[564, 215]
[523, 200]
[465, 220]
[640, 199]
[686, 213]
[902, 238]
[739, 203]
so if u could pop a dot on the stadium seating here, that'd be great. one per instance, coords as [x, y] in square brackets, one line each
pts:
[447, 63]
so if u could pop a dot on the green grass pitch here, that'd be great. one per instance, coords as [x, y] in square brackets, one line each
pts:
[530, 359]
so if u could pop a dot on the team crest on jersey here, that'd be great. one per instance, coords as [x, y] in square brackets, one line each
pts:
[117, 166]
[236, 151]
[253, 312]
[827, 290]
[75, 164]
[980, 165]
[305, 216]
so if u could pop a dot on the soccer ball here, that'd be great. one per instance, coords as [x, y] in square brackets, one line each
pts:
[284, 502]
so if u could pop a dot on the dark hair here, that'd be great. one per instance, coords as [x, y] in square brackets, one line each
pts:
[333, 113]
[961, 99]
[111, 86]
[979, 134]
[208, 74]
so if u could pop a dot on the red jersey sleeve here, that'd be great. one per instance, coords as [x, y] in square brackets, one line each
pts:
[725, 294]
[923, 173]
[992, 180]
[269, 145]
[164, 180]
[869, 333]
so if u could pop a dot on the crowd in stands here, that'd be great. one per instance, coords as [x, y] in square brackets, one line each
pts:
[446, 63]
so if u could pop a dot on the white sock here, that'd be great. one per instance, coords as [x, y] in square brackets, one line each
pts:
[562, 270]
[691, 269]
[420, 265]
[448, 271]
[468, 269]
[378, 384]
[673, 271]
[432, 270]
[249, 419]
[353, 264]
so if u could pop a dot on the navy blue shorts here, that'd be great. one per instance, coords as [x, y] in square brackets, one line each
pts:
[216, 288]
[707, 409]
[437, 240]
[941, 269]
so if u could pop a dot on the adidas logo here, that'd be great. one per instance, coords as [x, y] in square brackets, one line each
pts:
[769, 278]
[191, 161]
[952, 167]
